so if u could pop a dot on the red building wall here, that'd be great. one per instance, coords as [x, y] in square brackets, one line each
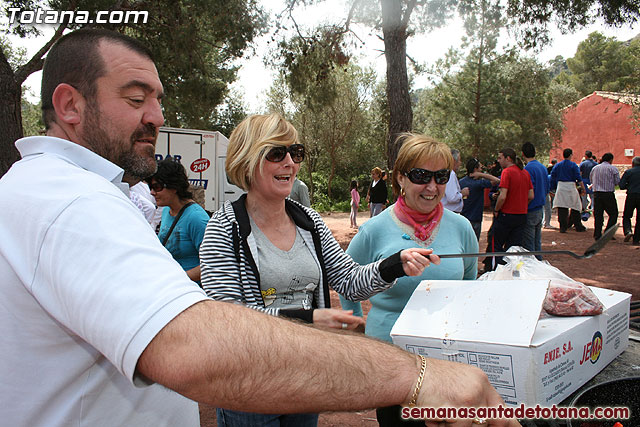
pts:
[601, 125]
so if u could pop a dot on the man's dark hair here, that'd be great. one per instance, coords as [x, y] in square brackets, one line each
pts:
[173, 175]
[471, 165]
[636, 161]
[567, 152]
[76, 60]
[528, 150]
[607, 157]
[511, 153]
[588, 154]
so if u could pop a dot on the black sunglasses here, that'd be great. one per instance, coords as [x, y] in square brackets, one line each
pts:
[157, 186]
[423, 176]
[279, 152]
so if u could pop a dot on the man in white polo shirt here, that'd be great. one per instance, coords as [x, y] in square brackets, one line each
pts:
[97, 318]
[453, 195]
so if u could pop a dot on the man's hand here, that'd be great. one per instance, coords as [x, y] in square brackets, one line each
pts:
[465, 192]
[448, 384]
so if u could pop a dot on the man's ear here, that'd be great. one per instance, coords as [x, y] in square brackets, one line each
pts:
[68, 104]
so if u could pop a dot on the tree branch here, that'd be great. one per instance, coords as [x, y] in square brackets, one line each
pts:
[36, 62]
[404, 22]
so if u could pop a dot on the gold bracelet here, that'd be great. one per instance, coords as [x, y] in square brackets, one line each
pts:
[416, 391]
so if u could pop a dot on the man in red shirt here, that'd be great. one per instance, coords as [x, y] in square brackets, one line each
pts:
[510, 214]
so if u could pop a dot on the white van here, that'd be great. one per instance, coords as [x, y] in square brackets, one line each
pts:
[202, 153]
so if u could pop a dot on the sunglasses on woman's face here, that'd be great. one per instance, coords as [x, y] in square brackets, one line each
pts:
[278, 153]
[423, 176]
[157, 187]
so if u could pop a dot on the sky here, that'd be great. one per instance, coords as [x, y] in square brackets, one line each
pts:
[254, 78]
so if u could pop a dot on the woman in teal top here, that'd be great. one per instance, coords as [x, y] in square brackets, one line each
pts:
[417, 219]
[170, 187]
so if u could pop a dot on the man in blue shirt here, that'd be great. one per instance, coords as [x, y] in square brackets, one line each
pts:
[476, 182]
[564, 177]
[585, 169]
[532, 238]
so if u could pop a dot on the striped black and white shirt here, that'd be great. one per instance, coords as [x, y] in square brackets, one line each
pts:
[230, 270]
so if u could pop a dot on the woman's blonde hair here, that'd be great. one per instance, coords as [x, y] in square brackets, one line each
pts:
[250, 142]
[417, 149]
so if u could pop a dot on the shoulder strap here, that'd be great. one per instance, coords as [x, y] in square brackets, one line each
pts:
[175, 221]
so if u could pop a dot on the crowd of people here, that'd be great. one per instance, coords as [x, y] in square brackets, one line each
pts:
[523, 193]
[521, 212]
[107, 322]
[104, 325]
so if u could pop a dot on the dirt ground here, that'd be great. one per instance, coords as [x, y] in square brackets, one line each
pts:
[614, 267]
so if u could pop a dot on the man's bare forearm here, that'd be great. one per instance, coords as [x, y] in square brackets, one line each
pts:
[233, 357]
[501, 199]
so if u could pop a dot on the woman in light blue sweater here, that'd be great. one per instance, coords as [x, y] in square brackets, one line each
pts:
[417, 219]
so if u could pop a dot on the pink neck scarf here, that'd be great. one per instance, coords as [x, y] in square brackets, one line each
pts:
[423, 224]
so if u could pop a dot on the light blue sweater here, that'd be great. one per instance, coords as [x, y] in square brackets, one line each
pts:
[381, 236]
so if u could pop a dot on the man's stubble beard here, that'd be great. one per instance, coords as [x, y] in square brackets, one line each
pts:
[118, 151]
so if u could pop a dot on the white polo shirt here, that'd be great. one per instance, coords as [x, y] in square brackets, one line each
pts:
[85, 285]
[452, 199]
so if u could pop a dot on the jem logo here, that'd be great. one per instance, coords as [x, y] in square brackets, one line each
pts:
[592, 349]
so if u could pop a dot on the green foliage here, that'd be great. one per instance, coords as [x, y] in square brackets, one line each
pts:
[397, 20]
[15, 56]
[310, 62]
[556, 66]
[509, 106]
[603, 63]
[487, 99]
[600, 64]
[229, 114]
[32, 123]
[562, 94]
[330, 104]
[193, 42]
[534, 16]
[427, 15]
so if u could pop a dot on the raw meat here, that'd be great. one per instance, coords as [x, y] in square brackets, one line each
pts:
[571, 299]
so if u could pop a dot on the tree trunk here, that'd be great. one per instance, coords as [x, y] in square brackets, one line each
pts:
[394, 31]
[477, 110]
[10, 116]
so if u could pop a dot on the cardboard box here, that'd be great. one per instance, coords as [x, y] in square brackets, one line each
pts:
[495, 326]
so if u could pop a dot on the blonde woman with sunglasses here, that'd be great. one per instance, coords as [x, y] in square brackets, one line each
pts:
[277, 256]
[416, 220]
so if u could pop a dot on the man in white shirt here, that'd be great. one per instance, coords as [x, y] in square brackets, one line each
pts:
[97, 317]
[141, 196]
[453, 195]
